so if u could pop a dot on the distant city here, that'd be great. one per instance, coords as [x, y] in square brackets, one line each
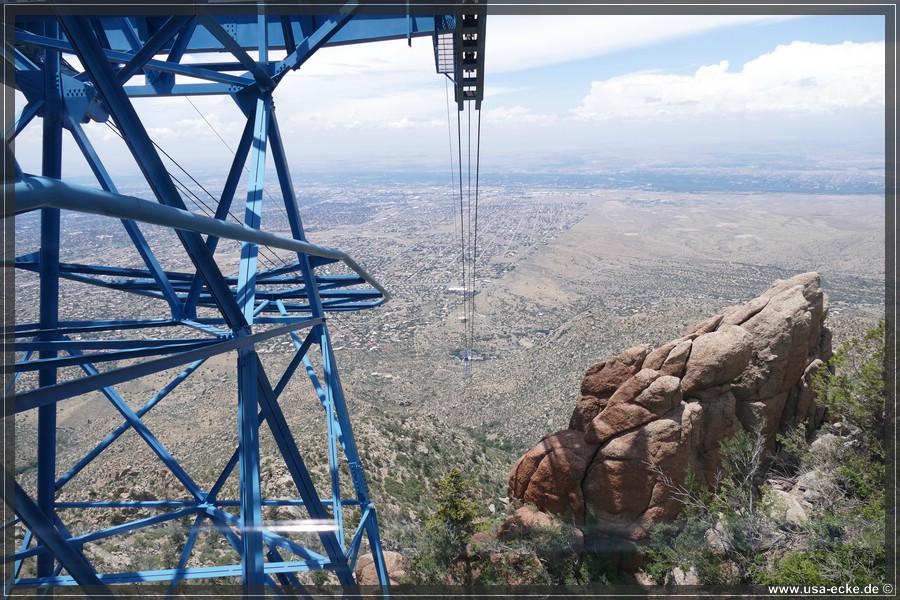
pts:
[573, 266]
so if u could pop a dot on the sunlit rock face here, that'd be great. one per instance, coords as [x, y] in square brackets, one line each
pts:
[647, 415]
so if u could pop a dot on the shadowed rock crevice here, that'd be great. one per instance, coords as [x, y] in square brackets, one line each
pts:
[648, 411]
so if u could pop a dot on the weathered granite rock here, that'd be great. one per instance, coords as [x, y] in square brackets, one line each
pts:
[550, 474]
[647, 416]
[523, 523]
[395, 563]
[787, 509]
[717, 358]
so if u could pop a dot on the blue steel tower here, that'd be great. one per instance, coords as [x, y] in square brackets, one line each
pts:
[74, 67]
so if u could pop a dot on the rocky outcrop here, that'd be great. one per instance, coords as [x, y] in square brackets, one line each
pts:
[651, 414]
[395, 563]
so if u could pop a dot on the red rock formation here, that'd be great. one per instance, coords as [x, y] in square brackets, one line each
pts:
[668, 409]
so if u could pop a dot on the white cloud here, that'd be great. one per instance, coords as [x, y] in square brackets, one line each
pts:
[516, 115]
[389, 85]
[393, 57]
[515, 43]
[801, 77]
[340, 105]
[386, 92]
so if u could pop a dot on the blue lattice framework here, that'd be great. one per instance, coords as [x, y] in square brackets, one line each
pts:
[125, 56]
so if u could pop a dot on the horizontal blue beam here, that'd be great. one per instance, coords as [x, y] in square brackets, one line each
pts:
[77, 327]
[365, 27]
[120, 529]
[148, 504]
[63, 345]
[166, 575]
[51, 394]
[205, 327]
[181, 281]
[179, 89]
[113, 56]
[146, 287]
[31, 262]
[258, 321]
[314, 261]
[345, 299]
[67, 361]
[341, 300]
[160, 504]
[269, 538]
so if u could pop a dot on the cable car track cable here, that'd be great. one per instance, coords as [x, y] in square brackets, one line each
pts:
[203, 206]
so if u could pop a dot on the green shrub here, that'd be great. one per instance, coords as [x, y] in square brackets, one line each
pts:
[844, 539]
[443, 547]
[804, 567]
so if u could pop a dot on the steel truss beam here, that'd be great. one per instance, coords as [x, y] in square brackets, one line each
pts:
[201, 312]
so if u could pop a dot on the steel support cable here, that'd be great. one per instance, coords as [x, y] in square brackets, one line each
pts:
[37, 192]
[465, 351]
[453, 178]
[449, 133]
[475, 234]
[210, 212]
[202, 116]
[462, 240]
[462, 213]
[471, 318]
[233, 153]
[203, 206]
[469, 229]
[471, 249]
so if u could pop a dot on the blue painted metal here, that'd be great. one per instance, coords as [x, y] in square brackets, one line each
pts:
[167, 575]
[316, 40]
[81, 540]
[137, 238]
[152, 441]
[49, 300]
[26, 541]
[29, 111]
[139, 56]
[224, 205]
[248, 449]
[56, 546]
[180, 569]
[44, 396]
[125, 426]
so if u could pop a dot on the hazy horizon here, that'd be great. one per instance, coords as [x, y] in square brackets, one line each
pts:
[637, 87]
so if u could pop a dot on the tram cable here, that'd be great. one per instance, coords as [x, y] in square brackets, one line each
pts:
[233, 153]
[468, 223]
[462, 241]
[475, 221]
[470, 282]
[269, 259]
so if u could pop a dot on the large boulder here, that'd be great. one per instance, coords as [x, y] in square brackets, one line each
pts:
[716, 358]
[648, 416]
[395, 563]
[550, 474]
[601, 380]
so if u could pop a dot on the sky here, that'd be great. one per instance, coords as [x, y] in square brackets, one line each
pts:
[558, 89]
